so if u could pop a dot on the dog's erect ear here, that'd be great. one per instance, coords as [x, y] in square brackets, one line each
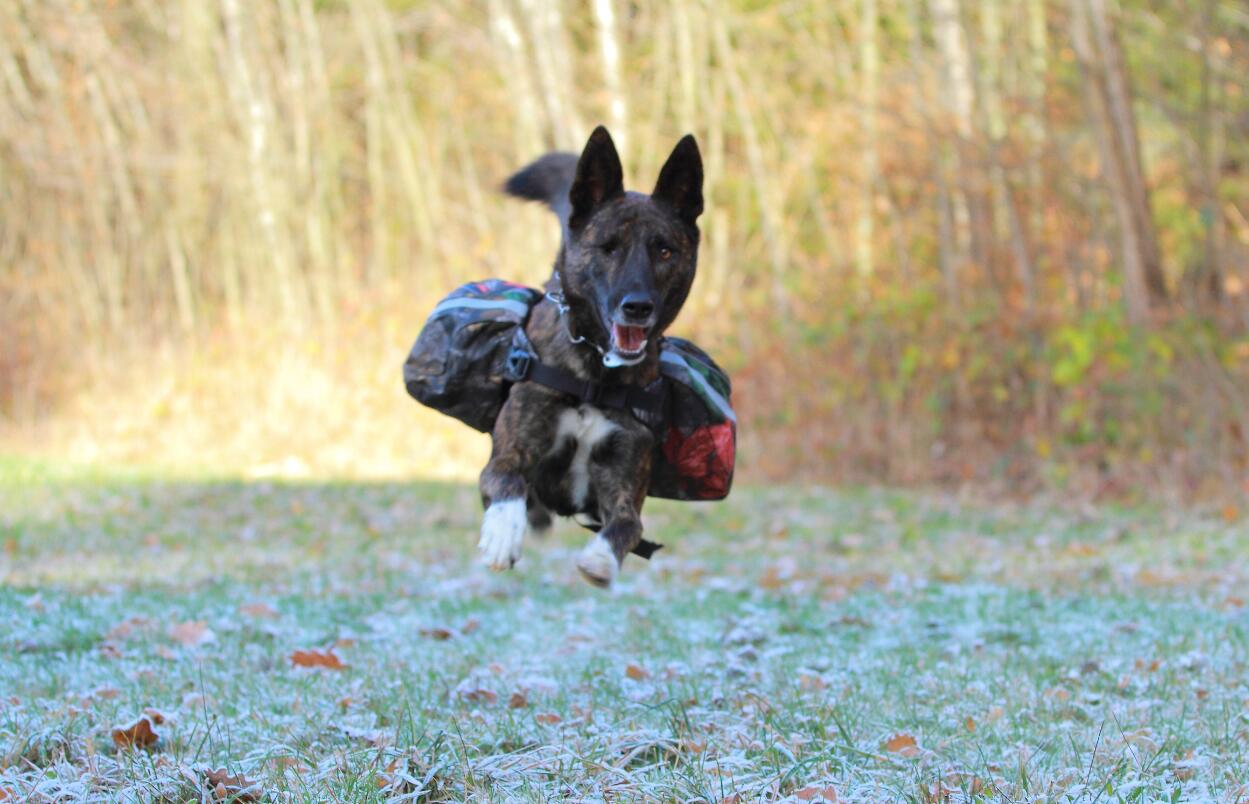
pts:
[680, 184]
[599, 178]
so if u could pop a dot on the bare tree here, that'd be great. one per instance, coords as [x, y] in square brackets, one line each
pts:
[1114, 125]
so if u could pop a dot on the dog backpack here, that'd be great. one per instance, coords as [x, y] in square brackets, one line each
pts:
[459, 364]
[465, 361]
[695, 455]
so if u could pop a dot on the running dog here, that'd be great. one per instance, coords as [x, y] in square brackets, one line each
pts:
[622, 273]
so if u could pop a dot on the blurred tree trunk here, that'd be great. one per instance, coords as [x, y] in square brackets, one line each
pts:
[1114, 125]
[1208, 274]
[609, 51]
[972, 214]
[869, 75]
[989, 82]
[947, 251]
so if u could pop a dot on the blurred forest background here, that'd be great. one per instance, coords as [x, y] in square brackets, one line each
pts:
[1002, 242]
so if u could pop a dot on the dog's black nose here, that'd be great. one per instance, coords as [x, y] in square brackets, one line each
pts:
[637, 307]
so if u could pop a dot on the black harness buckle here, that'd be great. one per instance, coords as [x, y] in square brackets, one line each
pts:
[519, 364]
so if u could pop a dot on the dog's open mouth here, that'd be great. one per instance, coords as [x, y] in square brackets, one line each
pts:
[628, 341]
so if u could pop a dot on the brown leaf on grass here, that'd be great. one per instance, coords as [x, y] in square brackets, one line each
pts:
[470, 625]
[155, 715]
[519, 700]
[827, 793]
[548, 718]
[437, 632]
[126, 628]
[903, 744]
[637, 673]
[105, 692]
[109, 650]
[191, 633]
[139, 734]
[811, 682]
[970, 724]
[7, 795]
[260, 611]
[317, 658]
[479, 695]
[771, 579]
[234, 788]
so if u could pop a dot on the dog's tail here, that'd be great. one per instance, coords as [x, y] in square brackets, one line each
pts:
[548, 179]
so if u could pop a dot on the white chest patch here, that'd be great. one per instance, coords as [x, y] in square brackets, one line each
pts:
[587, 426]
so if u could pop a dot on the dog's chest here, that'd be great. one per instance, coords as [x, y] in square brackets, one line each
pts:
[581, 430]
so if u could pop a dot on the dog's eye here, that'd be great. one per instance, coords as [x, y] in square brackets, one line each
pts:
[609, 248]
[665, 253]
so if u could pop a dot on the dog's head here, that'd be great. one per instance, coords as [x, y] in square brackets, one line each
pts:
[629, 258]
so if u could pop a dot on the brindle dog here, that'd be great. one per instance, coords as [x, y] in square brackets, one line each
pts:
[622, 273]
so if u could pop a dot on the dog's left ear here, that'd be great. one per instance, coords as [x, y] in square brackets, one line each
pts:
[680, 184]
[599, 178]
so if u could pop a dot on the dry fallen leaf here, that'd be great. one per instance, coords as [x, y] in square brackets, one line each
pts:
[235, 788]
[155, 715]
[191, 633]
[139, 734]
[548, 718]
[470, 625]
[826, 793]
[105, 692]
[261, 611]
[480, 694]
[637, 673]
[6, 794]
[519, 700]
[970, 724]
[437, 632]
[109, 650]
[127, 627]
[903, 744]
[316, 658]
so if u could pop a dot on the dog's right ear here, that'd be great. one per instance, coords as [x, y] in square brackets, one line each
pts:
[600, 178]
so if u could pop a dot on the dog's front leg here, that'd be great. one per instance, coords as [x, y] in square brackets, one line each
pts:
[516, 442]
[621, 474]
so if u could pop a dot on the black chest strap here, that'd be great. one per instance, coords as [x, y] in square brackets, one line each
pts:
[649, 400]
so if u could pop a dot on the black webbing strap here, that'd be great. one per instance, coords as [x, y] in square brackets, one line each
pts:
[620, 397]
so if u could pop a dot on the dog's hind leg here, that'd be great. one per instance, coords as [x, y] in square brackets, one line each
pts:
[539, 516]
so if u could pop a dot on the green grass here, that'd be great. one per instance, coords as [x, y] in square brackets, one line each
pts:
[1034, 653]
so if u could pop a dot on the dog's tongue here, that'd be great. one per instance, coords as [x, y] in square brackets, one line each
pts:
[629, 339]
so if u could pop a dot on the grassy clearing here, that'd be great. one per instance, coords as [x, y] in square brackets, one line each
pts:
[785, 642]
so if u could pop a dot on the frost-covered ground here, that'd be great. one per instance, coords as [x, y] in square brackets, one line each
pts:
[865, 645]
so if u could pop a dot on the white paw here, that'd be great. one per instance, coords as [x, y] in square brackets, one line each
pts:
[502, 531]
[598, 563]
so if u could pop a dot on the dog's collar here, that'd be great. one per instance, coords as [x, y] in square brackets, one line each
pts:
[611, 359]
